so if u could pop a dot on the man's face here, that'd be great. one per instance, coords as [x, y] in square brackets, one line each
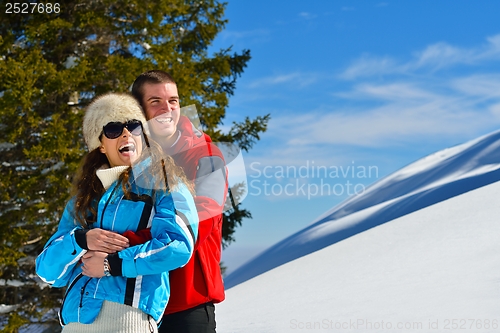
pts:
[161, 103]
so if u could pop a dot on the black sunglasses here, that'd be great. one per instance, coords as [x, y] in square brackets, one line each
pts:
[115, 129]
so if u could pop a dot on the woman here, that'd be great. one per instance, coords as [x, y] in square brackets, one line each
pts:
[125, 227]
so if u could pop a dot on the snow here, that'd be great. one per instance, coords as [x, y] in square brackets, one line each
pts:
[7, 308]
[12, 283]
[432, 179]
[434, 267]
[422, 272]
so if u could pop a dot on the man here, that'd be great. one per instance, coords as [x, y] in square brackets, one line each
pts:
[197, 286]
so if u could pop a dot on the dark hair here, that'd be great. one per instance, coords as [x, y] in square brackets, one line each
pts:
[88, 189]
[154, 76]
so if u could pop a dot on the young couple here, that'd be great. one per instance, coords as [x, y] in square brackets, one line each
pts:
[139, 243]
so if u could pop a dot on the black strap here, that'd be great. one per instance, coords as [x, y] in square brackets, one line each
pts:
[143, 224]
[186, 222]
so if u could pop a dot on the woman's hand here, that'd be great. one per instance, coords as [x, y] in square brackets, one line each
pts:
[105, 241]
[93, 264]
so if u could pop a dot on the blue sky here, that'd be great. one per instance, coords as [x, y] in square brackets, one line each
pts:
[356, 90]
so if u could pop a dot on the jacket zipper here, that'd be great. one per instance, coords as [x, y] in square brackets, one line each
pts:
[79, 276]
[107, 202]
[82, 292]
[75, 280]
[116, 212]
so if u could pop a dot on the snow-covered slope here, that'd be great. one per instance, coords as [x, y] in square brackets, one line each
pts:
[435, 178]
[434, 270]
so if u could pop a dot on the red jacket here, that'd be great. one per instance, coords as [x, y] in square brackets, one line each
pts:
[200, 280]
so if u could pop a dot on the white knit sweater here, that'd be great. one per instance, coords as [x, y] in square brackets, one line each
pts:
[109, 175]
[116, 318]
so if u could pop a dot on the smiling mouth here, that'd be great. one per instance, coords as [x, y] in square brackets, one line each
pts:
[164, 120]
[129, 147]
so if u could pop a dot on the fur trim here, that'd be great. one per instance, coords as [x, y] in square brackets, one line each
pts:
[107, 108]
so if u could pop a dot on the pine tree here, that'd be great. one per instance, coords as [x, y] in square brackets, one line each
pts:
[54, 60]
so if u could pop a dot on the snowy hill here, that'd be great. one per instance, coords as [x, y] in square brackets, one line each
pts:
[434, 270]
[435, 178]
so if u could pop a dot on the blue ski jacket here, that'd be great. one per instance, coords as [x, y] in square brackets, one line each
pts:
[144, 281]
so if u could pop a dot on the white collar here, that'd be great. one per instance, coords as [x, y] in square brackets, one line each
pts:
[176, 140]
[109, 175]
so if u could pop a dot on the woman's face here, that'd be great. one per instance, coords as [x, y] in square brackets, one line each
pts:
[126, 148]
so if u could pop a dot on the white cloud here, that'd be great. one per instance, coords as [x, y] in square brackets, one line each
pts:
[253, 36]
[369, 66]
[442, 55]
[407, 112]
[308, 16]
[482, 86]
[298, 79]
[415, 105]
[434, 57]
[392, 92]
[495, 110]
[408, 106]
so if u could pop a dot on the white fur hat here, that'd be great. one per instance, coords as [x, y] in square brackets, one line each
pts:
[111, 107]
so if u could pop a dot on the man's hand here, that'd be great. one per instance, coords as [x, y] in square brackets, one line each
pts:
[105, 241]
